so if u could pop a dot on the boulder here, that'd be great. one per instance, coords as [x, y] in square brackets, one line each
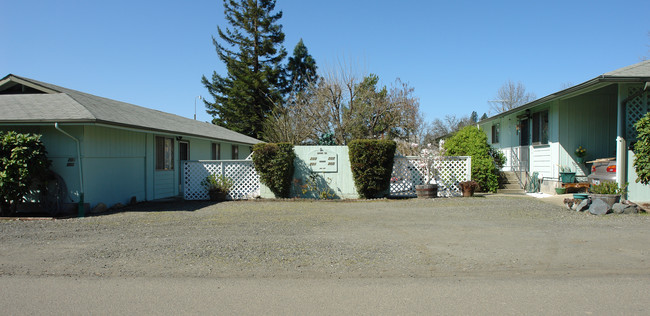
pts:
[619, 208]
[598, 207]
[569, 203]
[583, 206]
[631, 209]
[99, 208]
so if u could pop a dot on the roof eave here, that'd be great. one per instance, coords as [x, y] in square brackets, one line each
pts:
[584, 87]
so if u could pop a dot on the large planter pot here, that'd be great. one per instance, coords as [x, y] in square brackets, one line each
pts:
[568, 177]
[468, 192]
[217, 196]
[560, 190]
[426, 191]
[580, 159]
[609, 199]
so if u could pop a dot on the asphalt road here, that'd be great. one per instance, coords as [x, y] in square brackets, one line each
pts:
[556, 295]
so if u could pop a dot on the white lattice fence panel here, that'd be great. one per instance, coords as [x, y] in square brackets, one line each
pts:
[406, 175]
[450, 171]
[246, 181]
[636, 109]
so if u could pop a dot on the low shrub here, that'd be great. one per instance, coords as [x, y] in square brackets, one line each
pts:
[274, 163]
[608, 187]
[371, 162]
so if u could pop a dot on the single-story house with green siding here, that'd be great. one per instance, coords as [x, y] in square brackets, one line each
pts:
[599, 115]
[109, 151]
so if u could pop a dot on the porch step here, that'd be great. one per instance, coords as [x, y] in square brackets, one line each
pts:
[511, 191]
[510, 184]
[509, 177]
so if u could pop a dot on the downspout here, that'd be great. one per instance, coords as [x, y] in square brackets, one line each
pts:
[80, 211]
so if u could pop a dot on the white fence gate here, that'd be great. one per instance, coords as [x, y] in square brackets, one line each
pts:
[450, 171]
[246, 182]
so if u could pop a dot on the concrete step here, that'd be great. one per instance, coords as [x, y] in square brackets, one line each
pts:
[512, 186]
[511, 191]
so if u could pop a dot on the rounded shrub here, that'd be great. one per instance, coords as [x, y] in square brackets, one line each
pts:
[274, 163]
[371, 162]
[486, 161]
[23, 161]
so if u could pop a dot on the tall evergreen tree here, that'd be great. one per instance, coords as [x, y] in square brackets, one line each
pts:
[252, 51]
[473, 117]
[301, 69]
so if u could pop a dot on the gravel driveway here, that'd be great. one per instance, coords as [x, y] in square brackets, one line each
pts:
[356, 239]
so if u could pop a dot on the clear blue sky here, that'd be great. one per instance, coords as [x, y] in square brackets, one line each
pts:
[456, 54]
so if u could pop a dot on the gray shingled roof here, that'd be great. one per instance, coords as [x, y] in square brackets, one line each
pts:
[66, 105]
[638, 70]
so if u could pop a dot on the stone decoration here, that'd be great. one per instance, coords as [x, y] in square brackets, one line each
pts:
[598, 207]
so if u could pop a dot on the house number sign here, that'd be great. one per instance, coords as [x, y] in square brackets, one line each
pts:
[322, 161]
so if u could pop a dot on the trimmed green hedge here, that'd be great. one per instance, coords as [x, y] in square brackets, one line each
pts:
[274, 163]
[372, 165]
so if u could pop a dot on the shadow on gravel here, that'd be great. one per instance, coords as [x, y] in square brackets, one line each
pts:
[166, 205]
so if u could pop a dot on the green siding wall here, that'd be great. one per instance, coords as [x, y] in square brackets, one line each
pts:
[340, 182]
[117, 163]
[589, 121]
[114, 165]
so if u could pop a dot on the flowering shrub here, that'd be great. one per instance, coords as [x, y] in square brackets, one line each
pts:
[428, 157]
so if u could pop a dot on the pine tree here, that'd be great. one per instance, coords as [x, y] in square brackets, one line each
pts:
[473, 117]
[252, 51]
[301, 69]
[484, 116]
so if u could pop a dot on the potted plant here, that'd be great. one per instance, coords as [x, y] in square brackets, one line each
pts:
[468, 188]
[580, 154]
[426, 164]
[608, 192]
[217, 186]
[566, 175]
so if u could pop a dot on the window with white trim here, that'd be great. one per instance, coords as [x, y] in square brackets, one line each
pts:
[164, 153]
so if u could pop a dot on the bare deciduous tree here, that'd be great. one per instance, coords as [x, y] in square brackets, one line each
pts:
[510, 96]
[351, 108]
[443, 127]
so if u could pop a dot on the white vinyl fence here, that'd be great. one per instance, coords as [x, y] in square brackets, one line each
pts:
[246, 182]
[450, 171]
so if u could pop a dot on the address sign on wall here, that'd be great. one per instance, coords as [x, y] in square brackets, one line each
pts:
[323, 161]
